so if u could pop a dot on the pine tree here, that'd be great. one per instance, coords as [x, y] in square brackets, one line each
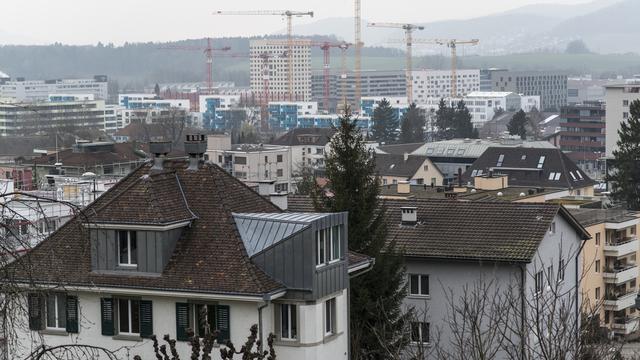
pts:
[517, 125]
[412, 128]
[156, 90]
[385, 123]
[350, 168]
[625, 175]
[463, 128]
[444, 121]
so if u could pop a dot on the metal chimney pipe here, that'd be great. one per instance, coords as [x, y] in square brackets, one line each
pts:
[160, 150]
[195, 146]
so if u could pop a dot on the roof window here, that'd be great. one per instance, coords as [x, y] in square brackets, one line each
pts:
[541, 162]
[500, 160]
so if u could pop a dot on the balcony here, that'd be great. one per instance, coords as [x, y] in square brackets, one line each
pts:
[625, 325]
[621, 247]
[620, 275]
[620, 301]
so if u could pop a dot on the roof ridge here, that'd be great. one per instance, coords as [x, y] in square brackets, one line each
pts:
[564, 167]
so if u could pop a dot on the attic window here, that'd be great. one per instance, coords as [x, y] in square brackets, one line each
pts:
[579, 174]
[460, 152]
[430, 151]
[552, 176]
[572, 176]
[479, 172]
[541, 162]
[392, 166]
[451, 151]
[558, 176]
[524, 157]
[500, 160]
[474, 173]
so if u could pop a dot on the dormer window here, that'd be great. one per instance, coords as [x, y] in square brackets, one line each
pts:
[127, 248]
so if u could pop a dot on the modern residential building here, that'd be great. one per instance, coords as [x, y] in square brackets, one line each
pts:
[22, 90]
[485, 78]
[407, 169]
[364, 123]
[551, 86]
[278, 64]
[368, 105]
[151, 101]
[209, 266]
[308, 147]
[19, 119]
[533, 168]
[255, 163]
[283, 115]
[582, 135]
[585, 89]
[437, 84]
[221, 112]
[21, 176]
[609, 267]
[618, 98]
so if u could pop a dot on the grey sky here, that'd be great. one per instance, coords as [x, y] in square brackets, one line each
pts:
[117, 21]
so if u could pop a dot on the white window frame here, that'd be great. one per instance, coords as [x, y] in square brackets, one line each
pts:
[330, 317]
[420, 276]
[321, 257]
[57, 317]
[129, 317]
[561, 270]
[289, 308]
[335, 235]
[538, 282]
[420, 333]
[128, 263]
[552, 228]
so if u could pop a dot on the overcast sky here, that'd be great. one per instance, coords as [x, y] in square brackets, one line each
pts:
[117, 21]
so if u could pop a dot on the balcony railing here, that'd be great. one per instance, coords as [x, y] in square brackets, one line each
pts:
[621, 246]
[621, 274]
[620, 301]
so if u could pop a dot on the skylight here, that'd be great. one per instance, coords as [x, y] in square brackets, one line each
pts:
[474, 173]
[500, 160]
[558, 176]
[552, 176]
[579, 174]
[541, 162]
[572, 176]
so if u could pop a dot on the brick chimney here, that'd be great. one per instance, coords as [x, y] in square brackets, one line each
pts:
[195, 146]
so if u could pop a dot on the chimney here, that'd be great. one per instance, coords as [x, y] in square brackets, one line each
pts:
[195, 146]
[406, 157]
[266, 187]
[409, 215]
[280, 199]
[160, 150]
[404, 187]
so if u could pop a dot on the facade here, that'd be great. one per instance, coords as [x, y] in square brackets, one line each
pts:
[190, 215]
[151, 101]
[283, 115]
[19, 119]
[609, 267]
[22, 90]
[437, 84]
[256, 163]
[618, 98]
[407, 169]
[279, 70]
[219, 112]
[585, 89]
[551, 86]
[368, 105]
[308, 147]
[364, 123]
[21, 176]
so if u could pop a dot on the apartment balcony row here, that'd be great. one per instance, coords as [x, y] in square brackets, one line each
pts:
[625, 325]
[621, 246]
[620, 275]
[617, 302]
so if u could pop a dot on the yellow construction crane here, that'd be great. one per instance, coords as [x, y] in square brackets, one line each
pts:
[289, 14]
[408, 39]
[453, 45]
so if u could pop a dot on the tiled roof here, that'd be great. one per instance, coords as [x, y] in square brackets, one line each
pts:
[588, 217]
[395, 165]
[120, 153]
[300, 203]
[526, 167]
[295, 137]
[399, 149]
[209, 257]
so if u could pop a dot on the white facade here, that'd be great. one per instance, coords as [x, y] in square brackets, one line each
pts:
[39, 90]
[437, 83]
[618, 98]
[226, 101]
[528, 103]
[149, 101]
[279, 70]
[312, 341]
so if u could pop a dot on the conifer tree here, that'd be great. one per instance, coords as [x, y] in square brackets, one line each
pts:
[385, 123]
[462, 122]
[412, 128]
[444, 121]
[625, 172]
[517, 124]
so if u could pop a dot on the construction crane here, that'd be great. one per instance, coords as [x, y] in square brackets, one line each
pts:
[358, 54]
[453, 45]
[208, 51]
[326, 47]
[408, 37]
[289, 14]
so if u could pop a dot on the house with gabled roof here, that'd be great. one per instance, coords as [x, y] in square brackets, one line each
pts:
[181, 244]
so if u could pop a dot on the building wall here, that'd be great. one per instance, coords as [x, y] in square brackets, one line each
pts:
[592, 280]
[618, 99]
[437, 83]
[551, 86]
[39, 90]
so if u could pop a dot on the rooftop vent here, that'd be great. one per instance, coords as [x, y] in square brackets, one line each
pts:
[409, 215]
[160, 150]
[195, 146]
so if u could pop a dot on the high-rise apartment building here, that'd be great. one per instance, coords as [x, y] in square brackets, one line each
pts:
[551, 86]
[39, 90]
[437, 84]
[277, 62]
[618, 97]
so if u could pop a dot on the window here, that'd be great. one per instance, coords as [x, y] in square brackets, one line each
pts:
[500, 160]
[420, 332]
[625, 115]
[597, 239]
[336, 243]
[561, 269]
[425, 168]
[597, 266]
[279, 173]
[419, 285]
[541, 162]
[279, 158]
[552, 176]
[128, 317]
[330, 317]
[550, 275]
[558, 176]
[203, 319]
[539, 279]
[321, 240]
[552, 228]
[625, 102]
[127, 248]
[56, 311]
[288, 322]
[598, 293]
[240, 160]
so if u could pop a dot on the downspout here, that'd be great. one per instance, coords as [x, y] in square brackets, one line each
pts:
[267, 301]
[523, 279]
[578, 287]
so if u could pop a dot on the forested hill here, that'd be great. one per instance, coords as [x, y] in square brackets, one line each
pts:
[139, 64]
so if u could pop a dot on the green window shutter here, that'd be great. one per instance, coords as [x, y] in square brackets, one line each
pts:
[146, 318]
[36, 312]
[182, 321]
[72, 314]
[223, 323]
[106, 314]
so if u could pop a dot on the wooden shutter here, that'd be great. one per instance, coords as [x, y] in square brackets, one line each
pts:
[223, 323]
[72, 314]
[182, 321]
[146, 318]
[36, 312]
[106, 314]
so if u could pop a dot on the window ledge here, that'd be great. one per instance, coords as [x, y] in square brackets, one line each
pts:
[330, 337]
[293, 342]
[421, 297]
[55, 332]
[127, 337]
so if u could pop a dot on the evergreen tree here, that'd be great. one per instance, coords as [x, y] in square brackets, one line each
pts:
[385, 123]
[463, 128]
[156, 90]
[412, 128]
[376, 297]
[625, 175]
[517, 125]
[444, 121]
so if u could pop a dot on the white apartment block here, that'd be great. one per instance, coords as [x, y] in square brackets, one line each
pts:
[150, 101]
[279, 70]
[39, 90]
[618, 97]
[437, 84]
[219, 102]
